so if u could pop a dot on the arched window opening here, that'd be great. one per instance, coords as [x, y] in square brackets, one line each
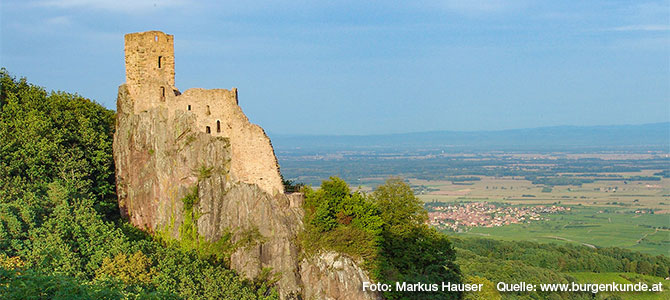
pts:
[160, 58]
[189, 107]
[155, 38]
[162, 93]
[218, 126]
[208, 112]
[208, 130]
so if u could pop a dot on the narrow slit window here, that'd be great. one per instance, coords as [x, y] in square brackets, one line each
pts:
[208, 130]
[218, 126]
[155, 38]
[189, 107]
[160, 58]
[163, 93]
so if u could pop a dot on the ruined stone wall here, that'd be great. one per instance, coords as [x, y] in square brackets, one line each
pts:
[150, 85]
[253, 159]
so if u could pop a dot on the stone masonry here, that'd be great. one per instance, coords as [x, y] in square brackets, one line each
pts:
[150, 77]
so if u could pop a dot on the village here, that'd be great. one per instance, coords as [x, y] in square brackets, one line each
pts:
[459, 216]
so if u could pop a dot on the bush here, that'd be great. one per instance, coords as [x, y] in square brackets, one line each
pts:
[339, 220]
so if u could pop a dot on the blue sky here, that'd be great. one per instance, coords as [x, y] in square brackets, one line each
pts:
[364, 67]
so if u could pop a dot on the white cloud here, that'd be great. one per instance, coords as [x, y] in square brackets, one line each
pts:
[642, 28]
[478, 6]
[125, 6]
[59, 20]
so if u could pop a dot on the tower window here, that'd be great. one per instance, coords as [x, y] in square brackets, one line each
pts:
[208, 130]
[189, 107]
[218, 126]
[160, 58]
[155, 38]
[208, 112]
[162, 93]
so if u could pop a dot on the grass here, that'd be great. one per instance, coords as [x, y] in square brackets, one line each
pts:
[592, 226]
[204, 172]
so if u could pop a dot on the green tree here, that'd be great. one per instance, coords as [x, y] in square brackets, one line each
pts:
[644, 267]
[399, 209]
[341, 220]
[54, 137]
[661, 271]
[387, 230]
[411, 250]
[135, 268]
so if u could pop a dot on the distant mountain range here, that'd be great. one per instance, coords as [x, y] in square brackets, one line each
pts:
[646, 137]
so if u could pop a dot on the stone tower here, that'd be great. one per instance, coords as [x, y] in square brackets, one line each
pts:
[150, 66]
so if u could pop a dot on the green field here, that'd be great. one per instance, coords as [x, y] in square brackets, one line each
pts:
[603, 212]
[516, 190]
[591, 226]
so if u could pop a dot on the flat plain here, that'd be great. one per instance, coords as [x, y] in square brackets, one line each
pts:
[614, 213]
[617, 198]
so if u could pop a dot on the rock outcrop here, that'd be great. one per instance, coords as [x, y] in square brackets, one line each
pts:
[330, 275]
[191, 167]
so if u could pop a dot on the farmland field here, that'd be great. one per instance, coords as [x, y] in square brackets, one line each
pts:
[516, 190]
[625, 214]
[590, 226]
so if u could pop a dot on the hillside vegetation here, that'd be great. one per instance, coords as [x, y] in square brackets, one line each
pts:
[496, 261]
[387, 230]
[61, 236]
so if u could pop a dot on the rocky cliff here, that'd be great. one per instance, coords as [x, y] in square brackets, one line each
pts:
[190, 167]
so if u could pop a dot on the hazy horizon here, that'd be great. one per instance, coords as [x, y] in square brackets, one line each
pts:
[472, 131]
[369, 68]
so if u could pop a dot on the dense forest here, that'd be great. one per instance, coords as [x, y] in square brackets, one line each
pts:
[521, 261]
[569, 258]
[62, 237]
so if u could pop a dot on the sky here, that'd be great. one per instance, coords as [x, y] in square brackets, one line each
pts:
[369, 67]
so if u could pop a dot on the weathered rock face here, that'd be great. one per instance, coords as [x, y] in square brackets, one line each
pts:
[330, 275]
[192, 164]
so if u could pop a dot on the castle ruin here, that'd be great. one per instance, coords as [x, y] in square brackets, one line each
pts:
[190, 167]
[150, 78]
